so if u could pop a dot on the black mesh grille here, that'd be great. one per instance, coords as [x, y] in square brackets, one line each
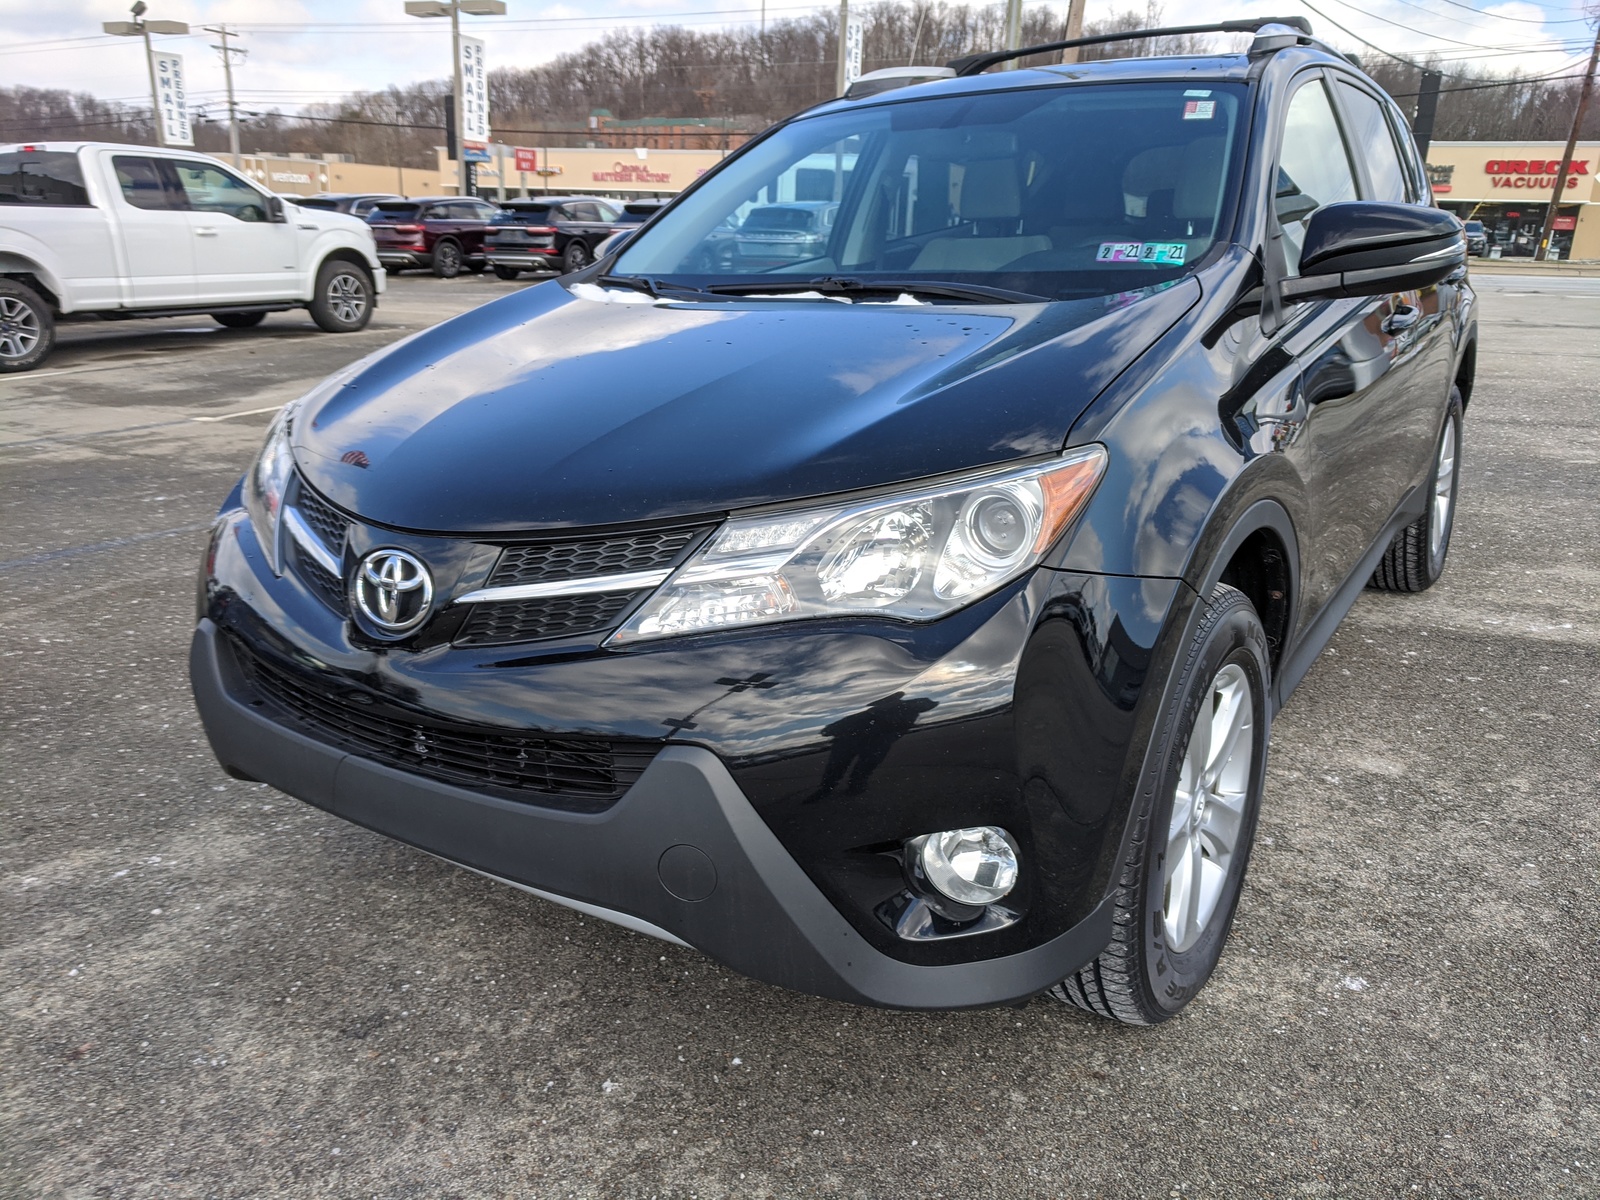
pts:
[330, 525]
[581, 557]
[328, 587]
[493, 624]
[586, 774]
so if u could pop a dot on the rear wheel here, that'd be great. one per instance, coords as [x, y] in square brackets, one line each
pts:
[343, 299]
[575, 257]
[446, 260]
[244, 320]
[1179, 885]
[27, 327]
[506, 272]
[1415, 559]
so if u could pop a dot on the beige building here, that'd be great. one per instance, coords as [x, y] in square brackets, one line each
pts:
[306, 176]
[1508, 185]
[607, 171]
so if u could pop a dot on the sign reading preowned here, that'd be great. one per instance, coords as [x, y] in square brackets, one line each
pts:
[174, 104]
[474, 95]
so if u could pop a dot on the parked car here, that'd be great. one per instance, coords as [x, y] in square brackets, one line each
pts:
[634, 214]
[904, 625]
[1477, 239]
[94, 229]
[778, 234]
[554, 234]
[443, 234]
[357, 204]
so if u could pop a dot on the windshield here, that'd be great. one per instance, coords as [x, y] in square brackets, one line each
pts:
[1059, 192]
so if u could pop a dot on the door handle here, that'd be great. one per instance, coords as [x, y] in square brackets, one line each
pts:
[205, 231]
[1401, 319]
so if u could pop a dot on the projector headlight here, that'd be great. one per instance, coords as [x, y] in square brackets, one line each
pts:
[267, 483]
[916, 555]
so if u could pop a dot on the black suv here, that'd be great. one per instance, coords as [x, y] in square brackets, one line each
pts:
[556, 234]
[904, 623]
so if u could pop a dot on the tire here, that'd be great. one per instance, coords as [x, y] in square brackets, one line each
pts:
[244, 320]
[575, 257]
[342, 302]
[446, 259]
[1159, 959]
[27, 327]
[506, 272]
[1415, 559]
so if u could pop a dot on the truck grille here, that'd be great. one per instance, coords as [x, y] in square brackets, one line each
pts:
[580, 774]
[577, 558]
[330, 524]
[508, 621]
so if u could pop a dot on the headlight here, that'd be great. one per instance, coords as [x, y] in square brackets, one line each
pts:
[916, 555]
[268, 481]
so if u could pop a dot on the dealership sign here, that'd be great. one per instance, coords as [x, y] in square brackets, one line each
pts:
[173, 104]
[474, 92]
[1536, 173]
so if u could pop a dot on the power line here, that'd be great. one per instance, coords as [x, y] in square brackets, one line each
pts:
[1435, 36]
[1526, 20]
[1374, 46]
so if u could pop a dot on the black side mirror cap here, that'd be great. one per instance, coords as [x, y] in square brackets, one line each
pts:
[1370, 248]
[275, 211]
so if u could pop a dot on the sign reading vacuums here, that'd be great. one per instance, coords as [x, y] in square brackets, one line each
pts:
[172, 101]
[474, 101]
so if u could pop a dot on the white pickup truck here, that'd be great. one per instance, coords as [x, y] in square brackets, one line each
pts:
[111, 231]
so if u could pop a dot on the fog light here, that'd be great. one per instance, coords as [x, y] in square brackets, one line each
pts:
[969, 866]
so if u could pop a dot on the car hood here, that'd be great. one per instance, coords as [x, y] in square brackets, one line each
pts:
[559, 407]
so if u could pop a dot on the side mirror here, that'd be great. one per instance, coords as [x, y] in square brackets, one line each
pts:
[1368, 248]
[615, 242]
[275, 211]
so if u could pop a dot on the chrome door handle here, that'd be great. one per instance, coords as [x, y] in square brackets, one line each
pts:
[205, 231]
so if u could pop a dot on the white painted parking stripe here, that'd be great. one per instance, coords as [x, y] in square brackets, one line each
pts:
[253, 412]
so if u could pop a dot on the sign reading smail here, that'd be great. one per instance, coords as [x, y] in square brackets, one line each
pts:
[1532, 172]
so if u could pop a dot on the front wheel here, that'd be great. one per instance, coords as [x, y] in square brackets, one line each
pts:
[343, 299]
[1179, 885]
[27, 328]
[1415, 559]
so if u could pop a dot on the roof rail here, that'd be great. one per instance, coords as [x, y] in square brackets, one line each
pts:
[971, 64]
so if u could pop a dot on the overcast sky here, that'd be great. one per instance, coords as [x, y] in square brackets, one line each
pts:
[308, 50]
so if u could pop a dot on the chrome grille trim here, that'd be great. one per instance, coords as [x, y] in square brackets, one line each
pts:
[308, 541]
[626, 581]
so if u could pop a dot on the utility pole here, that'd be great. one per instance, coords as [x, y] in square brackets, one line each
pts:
[844, 33]
[1572, 148]
[1012, 38]
[228, 52]
[1074, 30]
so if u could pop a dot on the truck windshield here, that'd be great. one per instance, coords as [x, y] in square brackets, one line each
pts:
[1058, 192]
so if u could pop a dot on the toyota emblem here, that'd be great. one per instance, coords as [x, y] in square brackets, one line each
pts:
[393, 590]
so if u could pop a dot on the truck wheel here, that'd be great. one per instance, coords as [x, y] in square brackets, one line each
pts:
[239, 320]
[27, 328]
[506, 272]
[1176, 891]
[342, 302]
[446, 259]
[1415, 559]
[575, 257]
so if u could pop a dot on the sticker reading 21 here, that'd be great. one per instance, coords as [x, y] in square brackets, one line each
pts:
[1161, 254]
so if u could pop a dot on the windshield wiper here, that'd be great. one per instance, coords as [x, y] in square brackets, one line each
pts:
[837, 285]
[643, 283]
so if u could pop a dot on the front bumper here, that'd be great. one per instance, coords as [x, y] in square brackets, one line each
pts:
[683, 851]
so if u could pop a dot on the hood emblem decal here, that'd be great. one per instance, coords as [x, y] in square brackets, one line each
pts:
[393, 590]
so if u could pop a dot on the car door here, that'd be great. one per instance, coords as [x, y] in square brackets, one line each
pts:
[1339, 433]
[241, 253]
[152, 217]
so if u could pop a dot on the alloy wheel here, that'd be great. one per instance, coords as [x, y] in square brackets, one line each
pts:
[347, 298]
[1444, 486]
[1208, 808]
[20, 330]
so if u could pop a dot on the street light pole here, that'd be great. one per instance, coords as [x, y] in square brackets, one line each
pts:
[1542, 250]
[139, 27]
[465, 173]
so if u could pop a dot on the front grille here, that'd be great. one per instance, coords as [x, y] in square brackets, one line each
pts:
[503, 622]
[327, 587]
[330, 524]
[582, 774]
[577, 558]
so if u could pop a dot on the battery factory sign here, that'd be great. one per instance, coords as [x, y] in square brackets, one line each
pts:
[1538, 174]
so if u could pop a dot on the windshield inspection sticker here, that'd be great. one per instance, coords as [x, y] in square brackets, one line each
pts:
[1119, 252]
[1163, 254]
[1199, 110]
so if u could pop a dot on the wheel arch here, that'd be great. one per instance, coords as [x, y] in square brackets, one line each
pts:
[1260, 555]
[1467, 370]
[31, 274]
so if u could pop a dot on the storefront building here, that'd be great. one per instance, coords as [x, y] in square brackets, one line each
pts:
[1508, 186]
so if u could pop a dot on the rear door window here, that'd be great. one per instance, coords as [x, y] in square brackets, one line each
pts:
[1373, 141]
[1313, 167]
[149, 183]
[384, 214]
[50, 178]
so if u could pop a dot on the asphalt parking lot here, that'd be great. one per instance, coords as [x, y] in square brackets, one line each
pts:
[211, 990]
